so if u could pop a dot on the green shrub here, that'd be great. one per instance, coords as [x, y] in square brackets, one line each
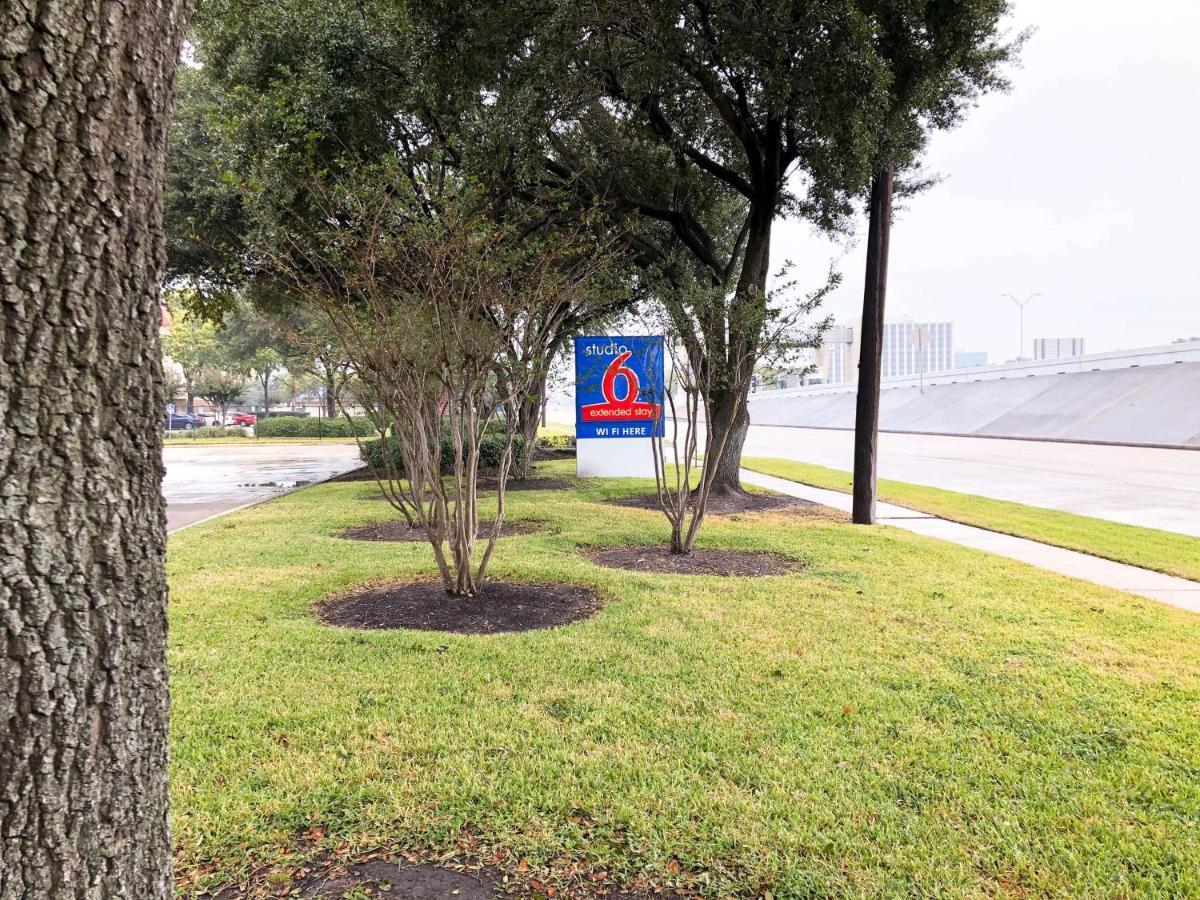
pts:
[207, 431]
[491, 448]
[312, 427]
[556, 442]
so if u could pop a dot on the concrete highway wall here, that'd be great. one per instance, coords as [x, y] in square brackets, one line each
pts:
[1136, 405]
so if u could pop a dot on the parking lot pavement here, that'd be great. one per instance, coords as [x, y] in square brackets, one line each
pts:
[204, 481]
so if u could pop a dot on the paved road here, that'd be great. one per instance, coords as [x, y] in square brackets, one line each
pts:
[202, 481]
[1150, 487]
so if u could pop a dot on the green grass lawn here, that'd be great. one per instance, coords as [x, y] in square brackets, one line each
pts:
[903, 717]
[1150, 548]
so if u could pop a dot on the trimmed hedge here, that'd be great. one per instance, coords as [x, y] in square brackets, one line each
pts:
[491, 448]
[207, 431]
[556, 441]
[312, 426]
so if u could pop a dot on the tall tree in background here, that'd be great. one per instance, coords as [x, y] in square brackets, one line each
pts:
[254, 344]
[940, 55]
[287, 87]
[663, 113]
[220, 387]
[191, 342]
[83, 680]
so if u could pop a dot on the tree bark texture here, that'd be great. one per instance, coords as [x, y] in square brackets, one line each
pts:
[870, 360]
[730, 418]
[85, 88]
[529, 416]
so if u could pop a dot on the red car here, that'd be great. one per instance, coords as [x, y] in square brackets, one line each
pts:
[241, 418]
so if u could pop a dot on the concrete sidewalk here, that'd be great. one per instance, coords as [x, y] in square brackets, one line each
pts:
[1152, 585]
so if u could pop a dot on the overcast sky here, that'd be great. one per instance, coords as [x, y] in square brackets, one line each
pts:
[1082, 184]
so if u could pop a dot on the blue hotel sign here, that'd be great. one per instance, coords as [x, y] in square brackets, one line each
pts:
[618, 386]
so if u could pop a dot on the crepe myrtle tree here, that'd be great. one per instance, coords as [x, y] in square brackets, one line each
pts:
[691, 389]
[426, 292]
[541, 337]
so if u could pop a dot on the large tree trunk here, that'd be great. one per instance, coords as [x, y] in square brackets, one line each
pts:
[870, 360]
[84, 95]
[730, 419]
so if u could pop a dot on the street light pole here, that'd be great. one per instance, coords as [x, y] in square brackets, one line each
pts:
[1021, 304]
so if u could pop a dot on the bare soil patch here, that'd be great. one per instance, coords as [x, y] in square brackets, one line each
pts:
[502, 606]
[450, 880]
[426, 881]
[402, 531]
[723, 504]
[701, 561]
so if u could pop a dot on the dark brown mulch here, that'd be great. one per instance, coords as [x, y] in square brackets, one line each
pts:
[430, 881]
[547, 453]
[723, 504]
[701, 561]
[420, 882]
[402, 531]
[502, 606]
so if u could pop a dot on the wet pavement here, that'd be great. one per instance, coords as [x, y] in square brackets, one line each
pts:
[204, 481]
[1147, 486]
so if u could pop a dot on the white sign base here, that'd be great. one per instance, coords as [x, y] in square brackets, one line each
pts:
[614, 458]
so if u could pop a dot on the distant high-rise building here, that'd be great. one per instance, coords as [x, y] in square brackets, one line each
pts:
[834, 364]
[965, 359]
[1057, 348]
[910, 348]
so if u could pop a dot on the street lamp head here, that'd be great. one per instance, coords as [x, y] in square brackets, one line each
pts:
[1021, 303]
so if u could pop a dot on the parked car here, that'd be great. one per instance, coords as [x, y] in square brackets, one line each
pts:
[181, 421]
[241, 418]
[205, 418]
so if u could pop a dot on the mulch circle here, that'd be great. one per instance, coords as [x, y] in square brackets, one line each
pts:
[402, 531]
[420, 882]
[502, 606]
[701, 561]
[452, 880]
[723, 504]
